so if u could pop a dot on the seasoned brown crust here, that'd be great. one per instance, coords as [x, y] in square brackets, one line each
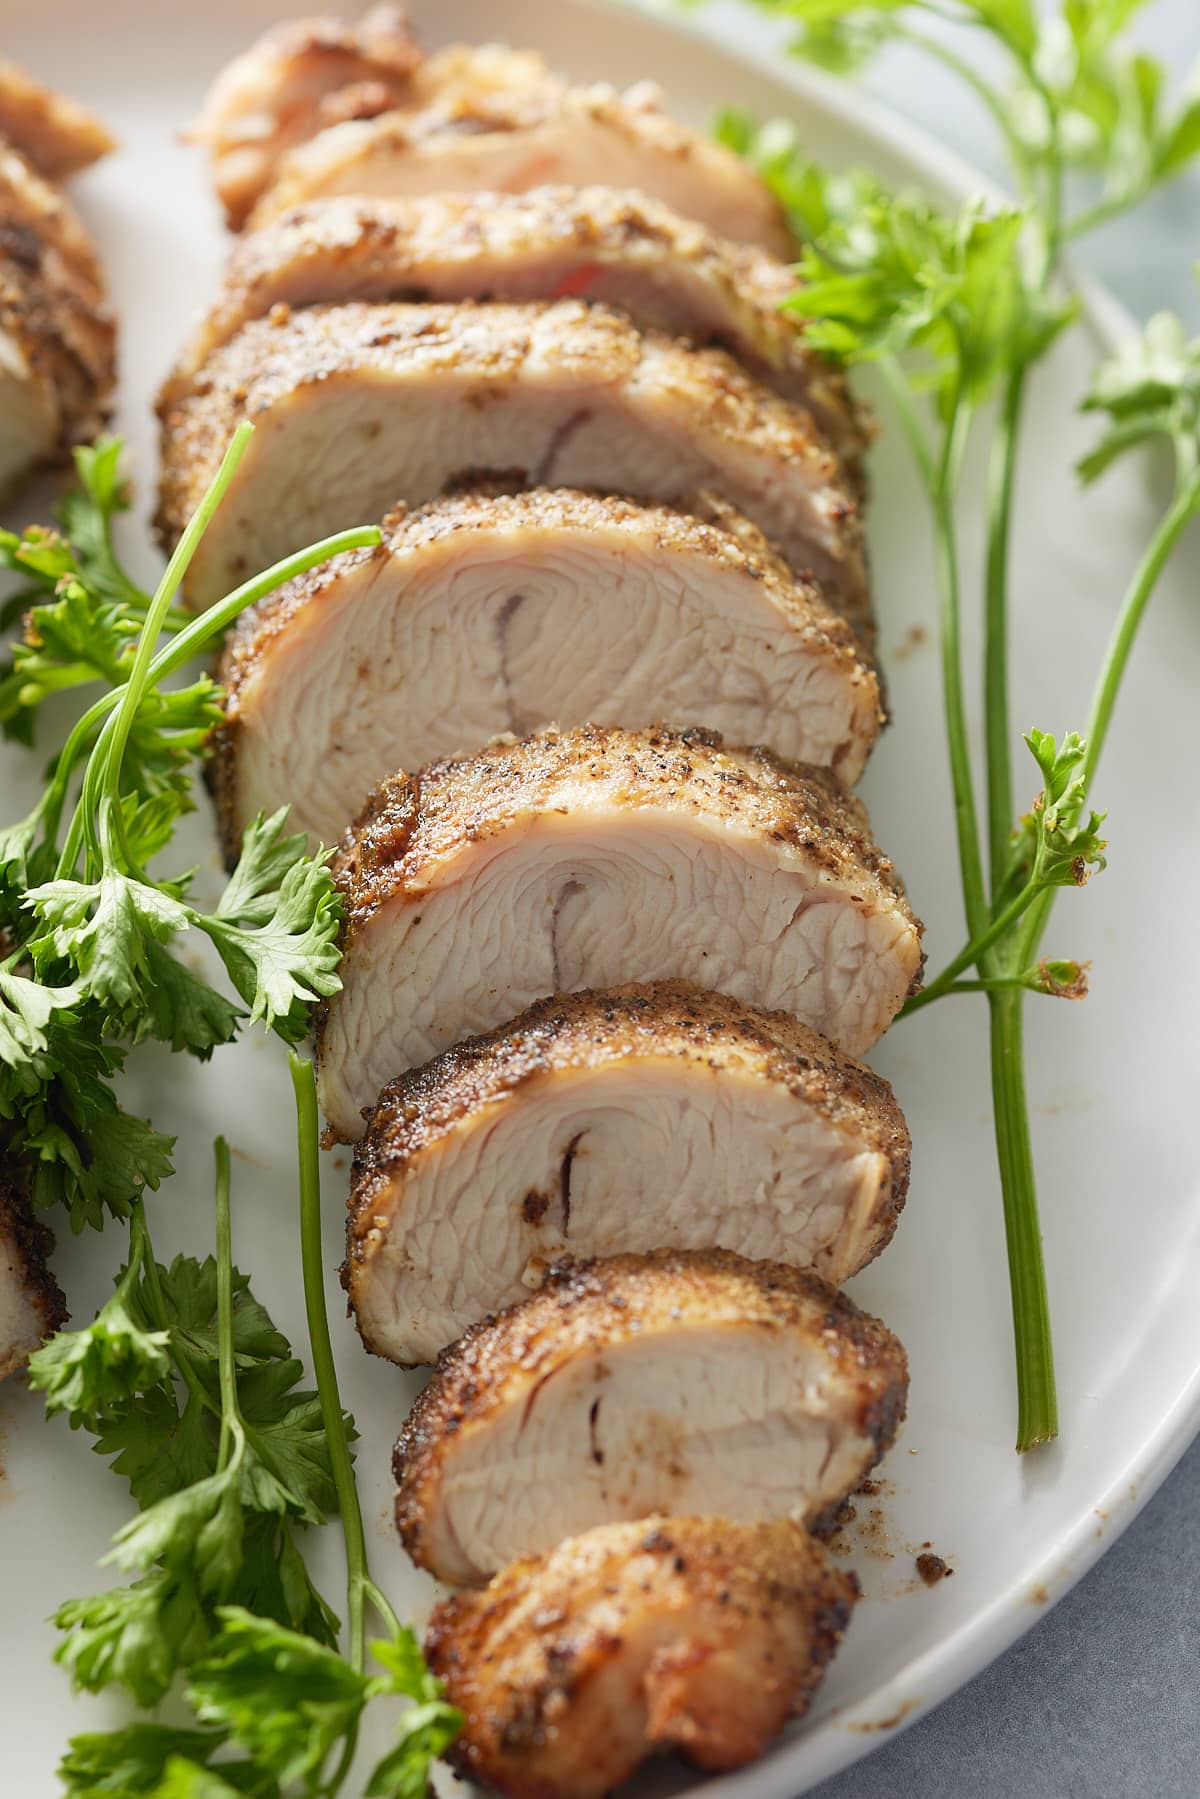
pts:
[461, 100]
[26, 1245]
[705, 526]
[56, 133]
[486, 348]
[53, 300]
[669, 1019]
[713, 1634]
[587, 1306]
[295, 80]
[412, 821]
[488, 246]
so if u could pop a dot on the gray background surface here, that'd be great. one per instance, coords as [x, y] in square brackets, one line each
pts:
[1102, 1699]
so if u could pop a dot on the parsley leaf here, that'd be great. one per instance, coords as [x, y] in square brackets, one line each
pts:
[284, 1699]
[134, 1637]
[1054, 845]
[89, 1372]
[276, 927]
[1149, 388]
[131, 1761]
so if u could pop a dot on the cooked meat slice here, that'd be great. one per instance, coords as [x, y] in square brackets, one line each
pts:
[359, 406]
[476, 122]
[655, 1117]
[57, 338]
[297, 79]
[594, 243]
[55, 133]
[589, 857]
[488, 613]
[31, 1304]
[686, 1382]
[690, 1634]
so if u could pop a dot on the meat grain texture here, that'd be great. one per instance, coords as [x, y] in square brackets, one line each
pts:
[588, 857]
[487, 613]
[642, 1118]
[681, 1382]
[483, 117]
[357, 407]
[57, 334]
[596, 243]
[699, 1635]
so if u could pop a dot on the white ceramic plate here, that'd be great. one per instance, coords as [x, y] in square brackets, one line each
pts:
[1113, 1084]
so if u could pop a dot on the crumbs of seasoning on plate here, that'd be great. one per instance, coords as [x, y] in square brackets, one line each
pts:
[933, 1568]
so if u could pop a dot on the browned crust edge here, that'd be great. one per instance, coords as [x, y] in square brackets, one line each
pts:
[33, 1243]
[707, 525]
[798, 806]
[422, 1108]
[582, 1302]
[734, 1564]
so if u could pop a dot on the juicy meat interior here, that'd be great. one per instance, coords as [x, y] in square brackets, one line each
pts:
[483, 117]
[678, 1382]
[56, 133]
[31, 1303]
[484, 613]
[295, 80]
[359, 406]
[594, 243]
[57, 337]
[693, 1634]
[656, 1117]
[588, 857]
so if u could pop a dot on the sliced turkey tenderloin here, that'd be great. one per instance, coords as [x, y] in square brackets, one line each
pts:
[56, 133]
[487, 613]
[693, 1634]
[31, 1303]
[483, 118]
[358, 406]
[640, 1118]
[594, 243]
[589, 857]
[57, 336]
[296, 79]
[684, 1383]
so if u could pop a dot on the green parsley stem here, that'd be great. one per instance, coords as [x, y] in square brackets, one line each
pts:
[901, 398]
[230, 1412]
[996, 705]
[104, 771]
[974, 951]
[1183, 509]
[994, 103]
[182, 647]
[383, 1606]
[965, 817]
[1103, 211]
[1037, 1404]
[991, 983]
[161, 1319]
[312, 1256]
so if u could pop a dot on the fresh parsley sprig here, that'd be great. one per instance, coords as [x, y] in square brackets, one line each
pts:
[954, 310]
[182, 1379]
[82, 612]
[185, 1381]
[90, 934]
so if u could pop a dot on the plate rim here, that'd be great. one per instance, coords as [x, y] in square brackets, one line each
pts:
[850, 1733]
